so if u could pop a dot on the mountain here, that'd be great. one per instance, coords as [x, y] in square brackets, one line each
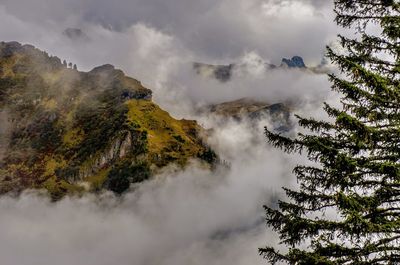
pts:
[224, 73]
[69, 131]
[277, 114]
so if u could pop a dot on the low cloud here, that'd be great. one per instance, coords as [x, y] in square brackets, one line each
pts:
[191, 217]
[195, 216]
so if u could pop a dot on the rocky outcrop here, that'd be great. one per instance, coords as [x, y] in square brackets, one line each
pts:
[118, 149]
[106, 76]
[295, 62]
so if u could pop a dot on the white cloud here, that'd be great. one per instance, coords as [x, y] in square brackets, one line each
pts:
[211, 29]
[286, 8]
[191, 217]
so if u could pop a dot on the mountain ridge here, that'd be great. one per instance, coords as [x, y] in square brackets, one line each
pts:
[277, 114]
[225, 72]
[65, 128]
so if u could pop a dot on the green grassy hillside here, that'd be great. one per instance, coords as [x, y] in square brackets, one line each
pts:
[69, 131]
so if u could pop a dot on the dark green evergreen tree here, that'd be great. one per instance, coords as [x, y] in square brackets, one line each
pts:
[347, 207]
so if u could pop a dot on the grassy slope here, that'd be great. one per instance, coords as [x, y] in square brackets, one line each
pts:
[168, 139]
[63, 122]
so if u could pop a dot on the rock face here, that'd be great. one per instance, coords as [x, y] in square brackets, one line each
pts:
[64, 127]
[118, 149]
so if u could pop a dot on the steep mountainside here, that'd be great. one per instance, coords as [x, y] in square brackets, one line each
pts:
[70, 131]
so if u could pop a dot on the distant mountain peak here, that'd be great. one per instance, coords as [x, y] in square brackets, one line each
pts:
[295, 62]
[223, 73]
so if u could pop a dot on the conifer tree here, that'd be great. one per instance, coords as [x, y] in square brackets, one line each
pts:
[346, 209]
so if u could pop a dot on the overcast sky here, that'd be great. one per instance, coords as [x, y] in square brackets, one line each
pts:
[217, 30]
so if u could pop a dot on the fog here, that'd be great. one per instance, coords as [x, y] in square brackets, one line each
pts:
[193, 216]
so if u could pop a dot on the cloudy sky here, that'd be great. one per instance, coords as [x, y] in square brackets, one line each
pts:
[196, 216]
[213, 30]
